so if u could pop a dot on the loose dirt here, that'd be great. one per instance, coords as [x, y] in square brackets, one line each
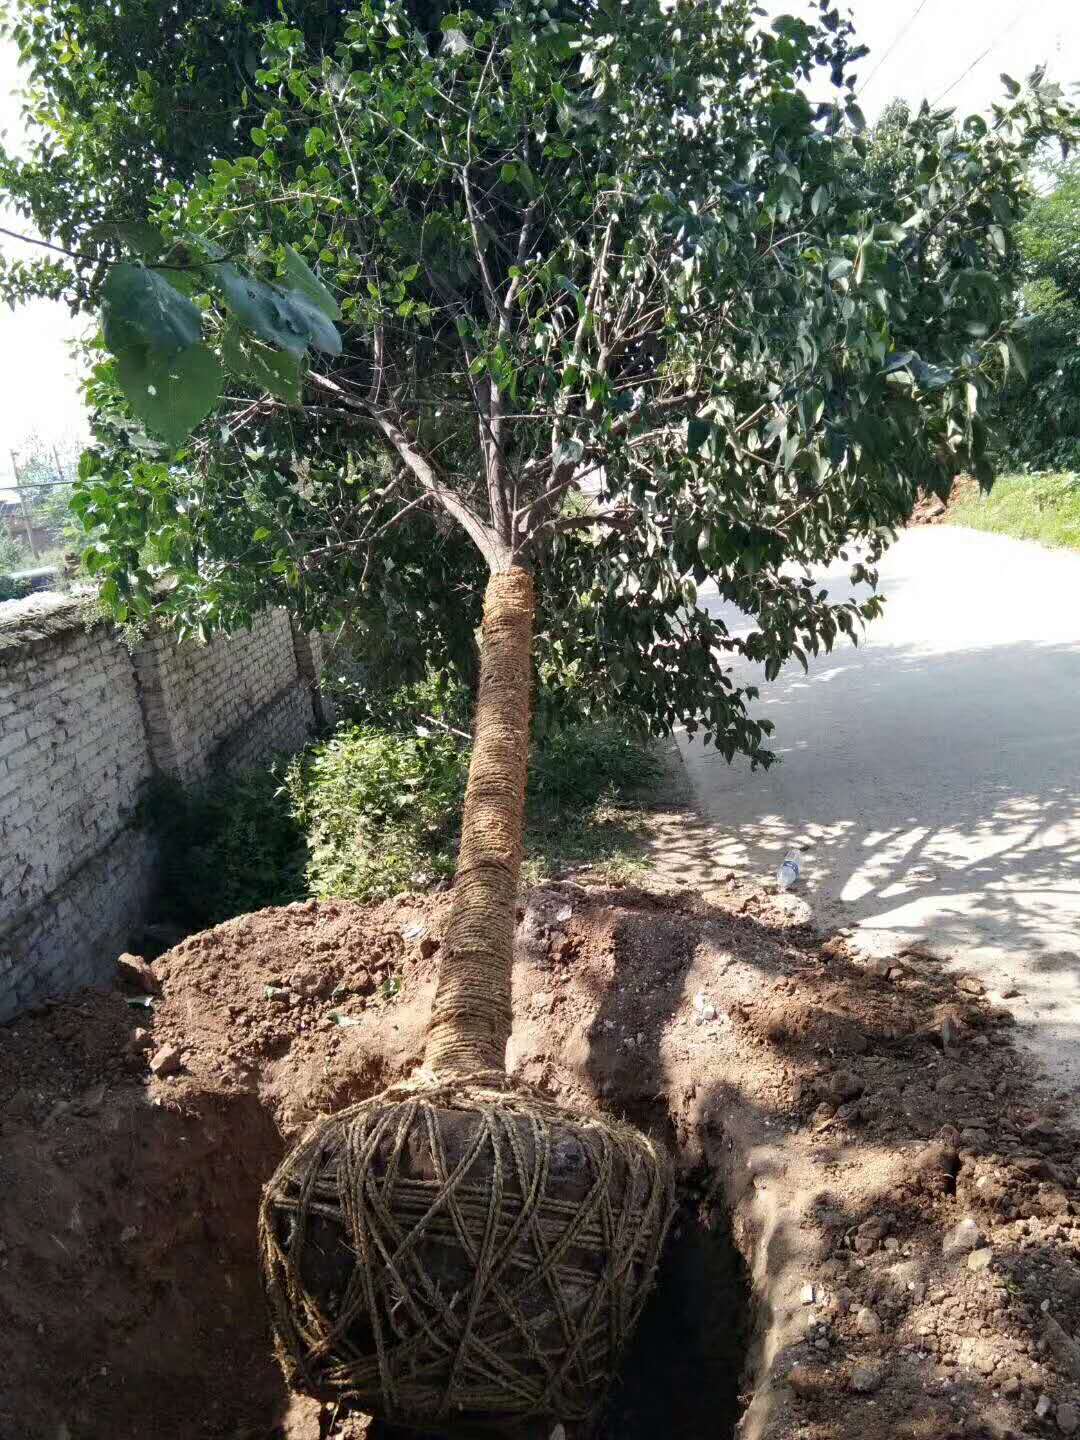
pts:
[858, 1142]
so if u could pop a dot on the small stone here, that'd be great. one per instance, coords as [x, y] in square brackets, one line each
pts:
[970, 985]
[136, 972]
[880, 968]
[865, 1379]
[980, 1259]
[808, 1295]
[705, 1008]
[892, 1244]
[1052, 1200]
[139, 1040]
[1043, 1406]
[559, 1433]
[543, 1000]
[867, 1322]
[128, 1234]
[166, 1061]
[808, 1380]
[962, 1238]
[1010, 1387]
[1068, 1419]
[869, 1234]
[896, 973]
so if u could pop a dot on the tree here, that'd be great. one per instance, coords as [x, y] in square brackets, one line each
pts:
[13, 555]
[46, 473]
[621, 307]
[1041, 420]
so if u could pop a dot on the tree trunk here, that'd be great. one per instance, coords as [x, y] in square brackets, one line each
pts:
[470, 1021]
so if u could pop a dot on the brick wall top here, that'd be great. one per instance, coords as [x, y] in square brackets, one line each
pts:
[36, 622]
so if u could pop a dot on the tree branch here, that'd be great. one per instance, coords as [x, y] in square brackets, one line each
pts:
[494, 549]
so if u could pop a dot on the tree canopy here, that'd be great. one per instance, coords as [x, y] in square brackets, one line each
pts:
[624, 297]
[1041, 419]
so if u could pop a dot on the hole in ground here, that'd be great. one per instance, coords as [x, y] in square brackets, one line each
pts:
[683, 1369]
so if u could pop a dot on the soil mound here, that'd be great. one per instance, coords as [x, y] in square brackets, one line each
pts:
[903, 1195]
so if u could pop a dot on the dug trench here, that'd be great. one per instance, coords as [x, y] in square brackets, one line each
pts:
[879, 1232]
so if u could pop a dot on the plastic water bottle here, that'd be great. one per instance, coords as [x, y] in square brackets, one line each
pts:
[788, 873]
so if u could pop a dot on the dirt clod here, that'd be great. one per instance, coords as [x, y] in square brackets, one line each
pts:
[165, 1061]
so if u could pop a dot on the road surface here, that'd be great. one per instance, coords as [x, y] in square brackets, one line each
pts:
[931, 777]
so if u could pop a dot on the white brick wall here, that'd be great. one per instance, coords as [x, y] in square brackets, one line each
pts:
[83, 724]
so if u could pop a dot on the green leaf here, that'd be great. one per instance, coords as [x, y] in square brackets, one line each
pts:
[898, 362]
[308, 283]
[890, 234]
[569, 452]
[170, 393]
[141, 310]
[137, 237]
[839, 268]
[286, 319]
[697, 432]
[1019, 357]
[997, 235]
[261, 534]
[277, 371]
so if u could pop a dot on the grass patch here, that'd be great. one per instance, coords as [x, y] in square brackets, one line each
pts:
[587, 787]
[1045, 508]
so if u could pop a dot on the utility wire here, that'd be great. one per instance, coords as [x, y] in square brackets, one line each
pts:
[896, 41]
[980, 58]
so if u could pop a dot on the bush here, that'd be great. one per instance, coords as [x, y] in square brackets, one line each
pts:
[228, 847]
[380, 810]
[576, 767]
[376, 810]
[12, 589]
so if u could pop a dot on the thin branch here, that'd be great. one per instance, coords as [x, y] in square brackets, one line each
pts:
[105, 260]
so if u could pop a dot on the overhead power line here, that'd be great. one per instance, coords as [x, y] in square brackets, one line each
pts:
[992, 46]
[896, 41]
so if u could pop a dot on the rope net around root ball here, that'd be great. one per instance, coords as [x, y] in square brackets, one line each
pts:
[461, 1252]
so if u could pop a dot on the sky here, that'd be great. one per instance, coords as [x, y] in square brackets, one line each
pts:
[949, 49]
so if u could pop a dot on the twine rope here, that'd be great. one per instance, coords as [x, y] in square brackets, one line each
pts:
[555, 1284]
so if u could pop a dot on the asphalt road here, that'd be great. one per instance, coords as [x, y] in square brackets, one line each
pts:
[931, 777]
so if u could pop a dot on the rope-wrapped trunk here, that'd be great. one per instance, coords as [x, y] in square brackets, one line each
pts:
[471, 1017]
[459, 1251]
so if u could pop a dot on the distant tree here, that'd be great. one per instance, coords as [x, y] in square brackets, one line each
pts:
[48, 471]
[13, 555]
[1041, 420]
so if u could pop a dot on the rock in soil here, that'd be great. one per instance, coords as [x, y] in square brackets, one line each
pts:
[964, 1236]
